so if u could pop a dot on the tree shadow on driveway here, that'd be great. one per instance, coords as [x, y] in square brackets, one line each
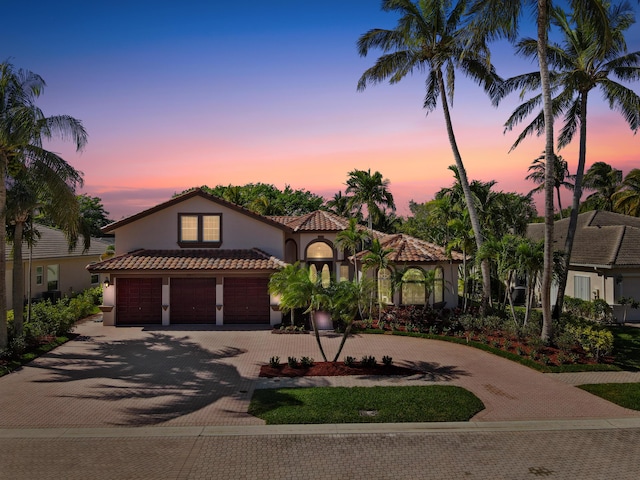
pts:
[149, 380]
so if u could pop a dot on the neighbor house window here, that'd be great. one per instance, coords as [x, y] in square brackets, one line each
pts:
[39, 275]
[582, 287]
[95, 279]
[199, 230]
[52, 277]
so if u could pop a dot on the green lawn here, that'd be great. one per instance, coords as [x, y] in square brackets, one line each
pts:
[624, 394]
[626, 347]
[433, 403]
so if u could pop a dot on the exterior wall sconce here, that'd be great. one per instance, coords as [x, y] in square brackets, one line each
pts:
[106, 282]
[164, 307]
[218, 307]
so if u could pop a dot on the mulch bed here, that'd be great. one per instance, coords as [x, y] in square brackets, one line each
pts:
[333, 369]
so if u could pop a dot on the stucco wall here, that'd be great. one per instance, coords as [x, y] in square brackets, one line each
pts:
[72, 276]
[159, 230]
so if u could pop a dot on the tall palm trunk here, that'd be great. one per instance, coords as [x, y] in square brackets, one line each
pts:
[547, 274]
[18, 277]
[559, 202]
[317, 334]
[575, 206]
[3, 264]
[473, 215]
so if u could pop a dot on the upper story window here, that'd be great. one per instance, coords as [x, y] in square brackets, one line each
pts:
[199, 230]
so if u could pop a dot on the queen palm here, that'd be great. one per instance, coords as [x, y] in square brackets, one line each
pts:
[579, 65]
[52, 191]
[627, 199]
[500, 18]
[352, 239]
[377, 259]
[23, 127]
[370, 190]
[561, 176]
[606, 181]
[432, 36]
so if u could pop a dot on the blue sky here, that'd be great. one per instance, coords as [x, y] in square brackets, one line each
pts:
[179, 94]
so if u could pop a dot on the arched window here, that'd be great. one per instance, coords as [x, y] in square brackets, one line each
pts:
[413, 289]
[290, 251]
[438, 285]
[384, 287]
[313, 273]
[325, 276]
[319, 251]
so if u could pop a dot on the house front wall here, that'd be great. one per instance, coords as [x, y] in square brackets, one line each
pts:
[71, 272]
[159, 230]
[450, 275]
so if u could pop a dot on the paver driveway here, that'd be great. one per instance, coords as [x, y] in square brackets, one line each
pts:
[205, 376]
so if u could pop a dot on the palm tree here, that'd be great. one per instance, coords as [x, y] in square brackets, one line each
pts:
[562, 177]
[52, 191]
[377, 259]
[345, 302]
[23, 127]
[432, 36]
[296, 290]
[627, 199]
[500, 18]
[606, 181]
[579, 65]
[462, 240]
[370, 190]
[352, 239]
[339, 204]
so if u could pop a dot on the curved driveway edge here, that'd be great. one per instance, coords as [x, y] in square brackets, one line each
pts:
[181, 377]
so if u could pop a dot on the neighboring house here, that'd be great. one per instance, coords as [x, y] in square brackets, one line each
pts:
[605, 261]
[200, 259]
[55, 270]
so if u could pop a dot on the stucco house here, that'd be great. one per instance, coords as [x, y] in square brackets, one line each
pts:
[55, 270]
[199, 259]
[605, 261]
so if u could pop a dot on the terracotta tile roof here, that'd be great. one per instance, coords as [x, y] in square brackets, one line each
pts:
[407, 249]
[602, 239]
[146, 260]
[318, 220]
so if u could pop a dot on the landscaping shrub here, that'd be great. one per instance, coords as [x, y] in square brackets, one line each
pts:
[57, 319]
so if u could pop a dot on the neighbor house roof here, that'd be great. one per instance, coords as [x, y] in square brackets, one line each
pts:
[53, 244]
[197, 192]
[153, 260]
[603, 239]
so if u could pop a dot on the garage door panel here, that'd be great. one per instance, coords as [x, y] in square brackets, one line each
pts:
[193, 300]
[246, 300]
[139, 301]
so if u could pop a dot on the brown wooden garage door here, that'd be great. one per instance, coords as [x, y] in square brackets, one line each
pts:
[246, 300]
[139, 301]
[193, 300]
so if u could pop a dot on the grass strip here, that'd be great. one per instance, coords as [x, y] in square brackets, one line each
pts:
[431, 403]
[14, 364]
[624, 394]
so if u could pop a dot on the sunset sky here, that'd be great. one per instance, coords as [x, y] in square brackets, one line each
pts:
[182, 94]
